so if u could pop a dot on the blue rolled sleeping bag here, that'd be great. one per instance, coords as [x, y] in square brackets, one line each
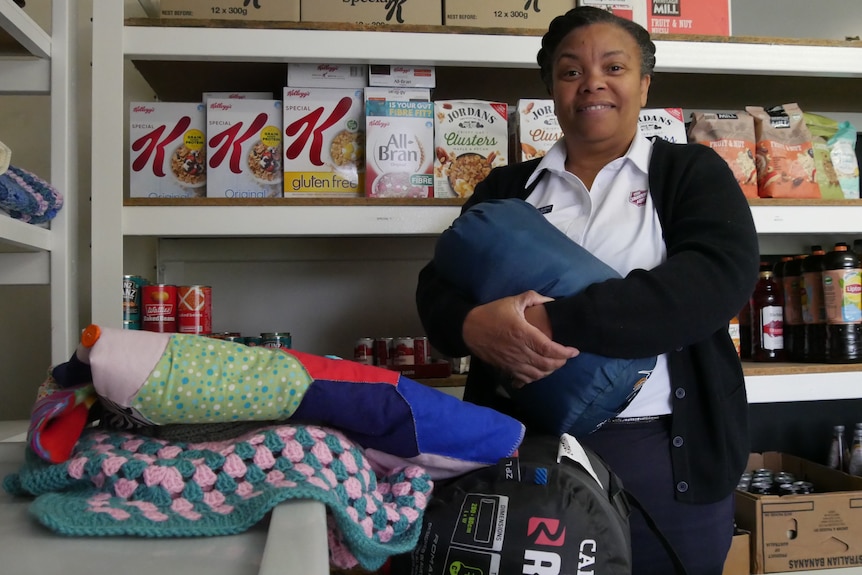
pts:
[501, 248]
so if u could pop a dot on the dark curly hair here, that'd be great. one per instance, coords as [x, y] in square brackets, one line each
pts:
[585, 16]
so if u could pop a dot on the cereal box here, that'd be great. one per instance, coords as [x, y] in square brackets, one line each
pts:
[324, 142]
[628, 9]
[236, 96]
[244, 148]
[470, 138]
[167, 150]
[703, 17]
[326, 75]
[400, 137]
[403, 76]
[538, 128]
[402, 94]
[665, 123]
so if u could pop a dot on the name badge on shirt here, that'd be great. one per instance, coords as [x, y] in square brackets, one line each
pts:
[546, 209]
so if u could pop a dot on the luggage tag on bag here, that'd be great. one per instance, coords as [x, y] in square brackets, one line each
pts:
[571, 449]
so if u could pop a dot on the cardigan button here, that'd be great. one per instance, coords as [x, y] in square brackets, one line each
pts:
[679, 348]
[682, 486]
[679, 392]
[678, 441]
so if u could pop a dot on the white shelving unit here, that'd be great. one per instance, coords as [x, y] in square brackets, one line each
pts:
[43, 63]
[114, 221]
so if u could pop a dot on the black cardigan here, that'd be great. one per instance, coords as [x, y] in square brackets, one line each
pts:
[681, 307]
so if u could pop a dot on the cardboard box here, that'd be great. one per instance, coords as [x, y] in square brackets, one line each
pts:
[374, 13]
[236, 96]
[504, 13]
[401, 76]
[537, 128]
[738, 561]
[272, 11]
[803, 532]
[628, 9]
[326, 75]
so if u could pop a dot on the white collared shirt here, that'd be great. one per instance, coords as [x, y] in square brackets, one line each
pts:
[617, 222]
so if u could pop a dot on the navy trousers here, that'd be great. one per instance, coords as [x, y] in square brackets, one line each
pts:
[639, 453]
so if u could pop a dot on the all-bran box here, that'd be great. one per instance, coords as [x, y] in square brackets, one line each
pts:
[400, 148]
[537, 128]
[470, 138]
[244, 148]
[324, 142]
[167, 150]
[665, 123]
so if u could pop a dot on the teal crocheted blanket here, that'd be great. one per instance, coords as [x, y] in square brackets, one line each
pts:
[119, 483]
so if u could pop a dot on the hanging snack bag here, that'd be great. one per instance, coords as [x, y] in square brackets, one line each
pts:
[783, 153]
[731, 135]
[835, 152]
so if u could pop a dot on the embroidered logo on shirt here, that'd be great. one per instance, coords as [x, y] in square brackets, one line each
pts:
[546, 209]
[638, 198]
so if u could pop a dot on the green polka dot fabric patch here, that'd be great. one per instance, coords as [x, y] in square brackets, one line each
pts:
[200, 380]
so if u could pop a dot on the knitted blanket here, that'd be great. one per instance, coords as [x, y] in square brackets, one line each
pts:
[119, 483]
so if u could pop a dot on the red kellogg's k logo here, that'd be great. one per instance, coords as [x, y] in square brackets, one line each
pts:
[310, 129]
[546, 531]
[150, 143]
[229, 142]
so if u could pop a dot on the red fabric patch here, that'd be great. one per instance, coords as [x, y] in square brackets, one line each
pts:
[320, 367]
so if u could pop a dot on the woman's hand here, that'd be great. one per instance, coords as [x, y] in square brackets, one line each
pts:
[500, 334]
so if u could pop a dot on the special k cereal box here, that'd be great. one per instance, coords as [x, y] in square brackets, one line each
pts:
[324, 142]
[167, 150]
[400, 146]
[470, 138]
[538, 129]
[244, 148]
[236, 96]
[665, 123]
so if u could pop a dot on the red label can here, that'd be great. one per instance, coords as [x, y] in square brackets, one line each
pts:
[382, 348]
[159, 308]
[363, 351]
[421, 351]
[403, 351]
[194, 309]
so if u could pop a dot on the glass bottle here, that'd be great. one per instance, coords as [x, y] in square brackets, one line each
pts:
[767, 319]
[854, 466]
[813, 313]
[794, 326]
[842, 302]
[838, 449]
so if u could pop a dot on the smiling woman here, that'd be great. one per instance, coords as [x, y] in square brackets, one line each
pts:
[672, 222]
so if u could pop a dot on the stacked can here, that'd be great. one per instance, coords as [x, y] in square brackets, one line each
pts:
[383, 351]
[276, 339]
[363, 351]
[132, 285]
[159, 307]
[194, 309]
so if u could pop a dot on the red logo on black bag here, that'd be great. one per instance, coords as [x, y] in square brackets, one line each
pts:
[546, 531]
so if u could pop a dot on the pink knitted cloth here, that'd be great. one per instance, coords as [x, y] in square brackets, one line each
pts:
[119, 483]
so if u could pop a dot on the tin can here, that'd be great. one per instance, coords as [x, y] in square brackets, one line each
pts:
[252, 340]
[132, 301]
[403, 351]
[159, 308]
[421, 351]
[194, 309]
[276, 339]
[382, 351]
[234, 336]
[363, 351]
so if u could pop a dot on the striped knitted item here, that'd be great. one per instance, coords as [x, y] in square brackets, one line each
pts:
[27, 197]
[123, 484]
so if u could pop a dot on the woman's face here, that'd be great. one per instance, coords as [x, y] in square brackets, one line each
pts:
[598, 89]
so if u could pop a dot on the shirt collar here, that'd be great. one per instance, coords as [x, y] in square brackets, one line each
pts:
[555, 159]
